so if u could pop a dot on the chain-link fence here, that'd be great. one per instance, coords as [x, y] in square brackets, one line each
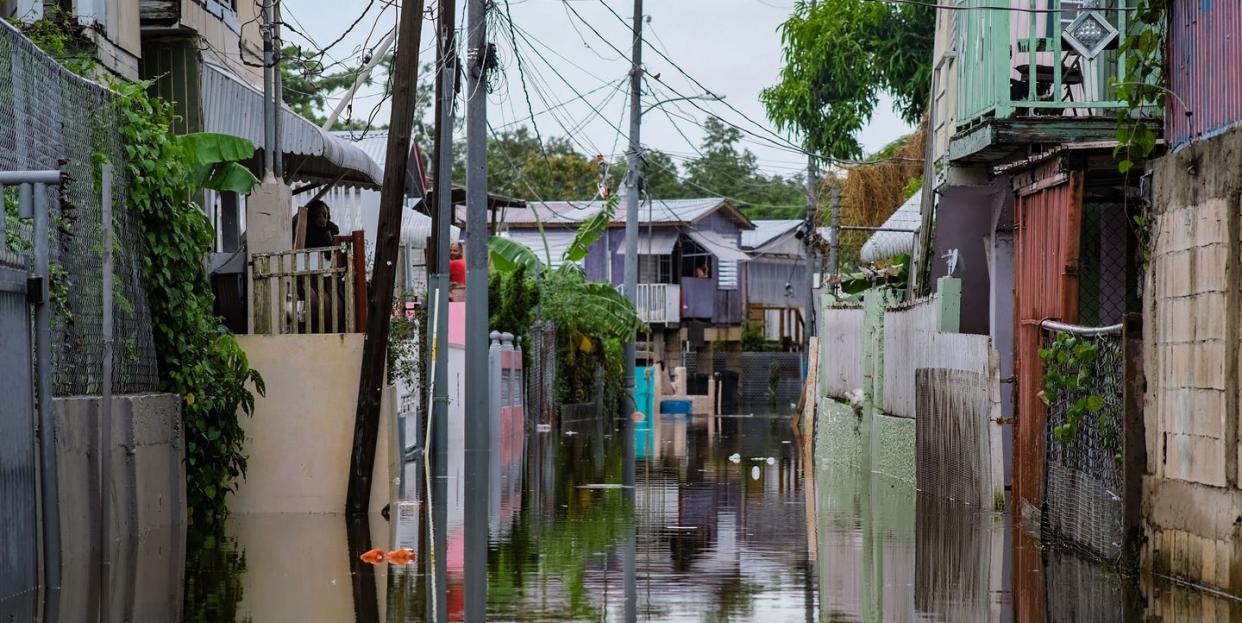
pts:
[1084, 478]
[1107, 275]
[53, 119]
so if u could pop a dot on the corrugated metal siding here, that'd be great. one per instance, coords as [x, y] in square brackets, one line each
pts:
[912, 340]
[558, 242]
[841, 345]
[884, 245]
[1046, 287]
[1205, 68]
[766, 279]
[173, 65]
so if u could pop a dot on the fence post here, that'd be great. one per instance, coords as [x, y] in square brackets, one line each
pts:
[37, 204]
[1134, 441]
[949, 305]
[874, 302]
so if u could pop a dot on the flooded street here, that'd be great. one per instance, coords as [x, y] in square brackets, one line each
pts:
[728, 521]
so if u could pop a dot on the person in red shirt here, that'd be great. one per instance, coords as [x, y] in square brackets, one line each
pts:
[457, 265]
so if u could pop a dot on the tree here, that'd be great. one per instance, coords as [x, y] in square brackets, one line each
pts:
[518, 167]
[723, 169]
[839, 56]
[306, 86]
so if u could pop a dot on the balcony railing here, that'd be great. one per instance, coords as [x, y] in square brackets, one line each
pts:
[659, 303]
[1030, 58]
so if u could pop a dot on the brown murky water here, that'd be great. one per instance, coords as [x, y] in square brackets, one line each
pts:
[728, 521]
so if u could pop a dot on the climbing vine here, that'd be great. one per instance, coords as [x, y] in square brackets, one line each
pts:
[61, 37]
[1068, 365]
[1143, 83]
[198, 358]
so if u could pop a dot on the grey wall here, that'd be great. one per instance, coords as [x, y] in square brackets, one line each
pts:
[148, 518]
[964, 222]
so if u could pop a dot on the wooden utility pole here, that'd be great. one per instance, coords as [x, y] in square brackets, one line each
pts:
[384, 272]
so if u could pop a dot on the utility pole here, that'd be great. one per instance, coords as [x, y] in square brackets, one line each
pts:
[384, 272]
[269, 101]
[278, 95]
[812, 206]
[442, 217]
[834, 230]
[633, 178]
[477, 391]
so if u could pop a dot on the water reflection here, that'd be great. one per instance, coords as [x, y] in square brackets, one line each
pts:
[774, 536]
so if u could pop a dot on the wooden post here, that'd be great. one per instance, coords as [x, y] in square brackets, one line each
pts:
[379, 299]
[1134, 438]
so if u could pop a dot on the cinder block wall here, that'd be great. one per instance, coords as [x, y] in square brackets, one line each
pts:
[1192, 506]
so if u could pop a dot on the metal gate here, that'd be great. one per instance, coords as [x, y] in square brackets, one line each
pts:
[19, 573]
[27, 454]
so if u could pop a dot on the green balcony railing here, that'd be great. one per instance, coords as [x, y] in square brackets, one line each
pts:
[1016, 60]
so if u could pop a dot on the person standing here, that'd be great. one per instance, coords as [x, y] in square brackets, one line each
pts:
[457, 273]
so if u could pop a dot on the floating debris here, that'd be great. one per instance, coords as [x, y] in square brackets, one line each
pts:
[754, 473]
[771, 461]
[543, 428]
[604, 485]
[735, 458]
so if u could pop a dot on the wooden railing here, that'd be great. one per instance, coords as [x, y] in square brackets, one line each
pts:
[309, 290]
[1013, 60]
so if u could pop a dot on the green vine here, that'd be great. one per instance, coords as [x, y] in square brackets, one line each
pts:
[1068, 363]
[61, 36]
[1143, 85]
[198, 358]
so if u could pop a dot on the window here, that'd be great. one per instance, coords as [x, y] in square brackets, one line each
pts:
[696, 262]
[655, 269]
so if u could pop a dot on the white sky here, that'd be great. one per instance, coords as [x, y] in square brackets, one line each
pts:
[732, 47]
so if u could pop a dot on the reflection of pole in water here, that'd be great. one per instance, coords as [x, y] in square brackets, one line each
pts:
[362, 575]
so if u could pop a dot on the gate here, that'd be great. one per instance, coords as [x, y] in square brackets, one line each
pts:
[1048, 214]
[26, 423]
[19, 579]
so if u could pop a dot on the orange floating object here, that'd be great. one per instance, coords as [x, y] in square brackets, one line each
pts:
[401, 556]
[373, 557]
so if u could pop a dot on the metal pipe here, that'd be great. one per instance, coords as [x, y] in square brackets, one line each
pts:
[835, 231]
[1073, 329]
[278, 96]
[870, 228]
[43, 384]
[365, 74]
[13, 178]
[478, 429]
[105, 403]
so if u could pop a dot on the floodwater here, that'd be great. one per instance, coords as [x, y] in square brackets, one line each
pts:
[729, 520]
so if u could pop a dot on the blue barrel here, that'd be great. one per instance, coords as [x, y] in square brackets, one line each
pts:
[675, 407]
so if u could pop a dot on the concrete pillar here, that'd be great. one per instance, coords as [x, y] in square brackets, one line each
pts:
[949, 305]
[269, 226]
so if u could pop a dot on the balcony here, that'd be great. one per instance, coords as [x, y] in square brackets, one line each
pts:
[659, 303]
[1036, 71]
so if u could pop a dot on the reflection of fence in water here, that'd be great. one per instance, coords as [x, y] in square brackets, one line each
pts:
[1083, 477]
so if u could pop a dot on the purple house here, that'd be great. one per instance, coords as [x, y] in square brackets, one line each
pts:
[691, 270]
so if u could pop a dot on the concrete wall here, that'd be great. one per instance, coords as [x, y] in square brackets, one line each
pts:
[148, 518]
[1191, 499]
[300, 438]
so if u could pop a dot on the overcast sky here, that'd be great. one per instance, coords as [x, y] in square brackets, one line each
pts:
[731, 47]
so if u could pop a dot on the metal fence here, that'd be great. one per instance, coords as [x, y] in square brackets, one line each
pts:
[1084, 477]
[541, 373]
[54, 119]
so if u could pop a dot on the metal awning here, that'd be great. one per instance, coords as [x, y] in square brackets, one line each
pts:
[231, 106]
[659, 242]
[717, 245]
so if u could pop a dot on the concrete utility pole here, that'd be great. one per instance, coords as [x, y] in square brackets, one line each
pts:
[812, 216]
[478, 416]
[442, 218]
[633, 178]
[269, 101]
[834, 230]
[384, 272]
[278, 94]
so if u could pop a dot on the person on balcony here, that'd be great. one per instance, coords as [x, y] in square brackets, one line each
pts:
[320, 230]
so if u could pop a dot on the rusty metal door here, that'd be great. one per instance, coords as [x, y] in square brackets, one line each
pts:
[1047, 214]
[19, 578]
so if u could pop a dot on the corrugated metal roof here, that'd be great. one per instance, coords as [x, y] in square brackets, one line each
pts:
[659, 242]
[723, 247]
[231, 106]
[656, 212]
[766, 231]
[558, 242]
[884, 245]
